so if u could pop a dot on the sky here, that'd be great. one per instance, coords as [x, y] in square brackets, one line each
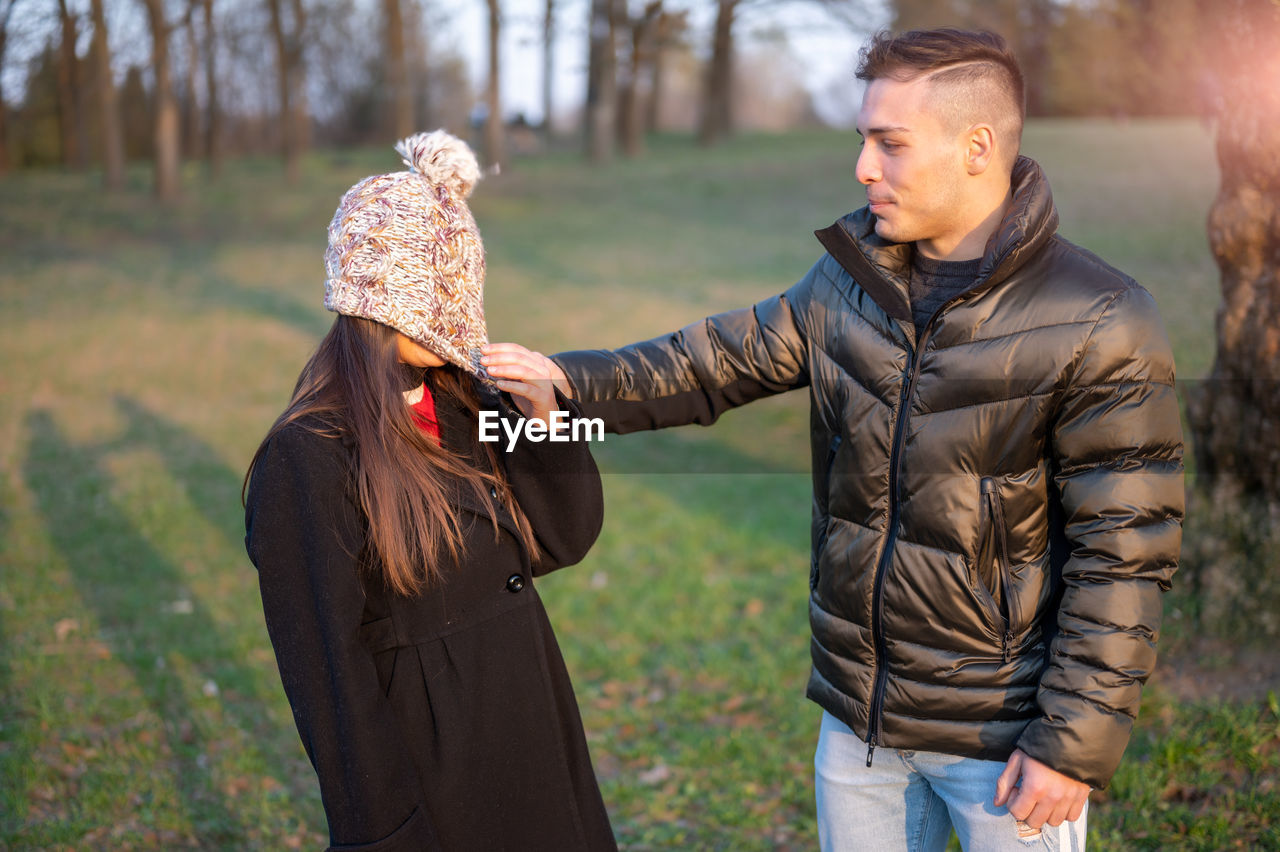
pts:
[825, 49]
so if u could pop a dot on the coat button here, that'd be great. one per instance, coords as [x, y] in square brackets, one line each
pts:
[493, 492]
[515, 583]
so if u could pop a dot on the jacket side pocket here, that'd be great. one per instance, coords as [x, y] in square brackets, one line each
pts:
[821, 541]
[995, 552]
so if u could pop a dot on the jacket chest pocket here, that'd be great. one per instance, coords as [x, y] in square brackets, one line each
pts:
[992, 571]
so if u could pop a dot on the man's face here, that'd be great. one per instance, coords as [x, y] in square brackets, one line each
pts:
[912, 165]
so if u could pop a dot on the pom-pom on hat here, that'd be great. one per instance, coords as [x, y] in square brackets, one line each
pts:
[404, 251]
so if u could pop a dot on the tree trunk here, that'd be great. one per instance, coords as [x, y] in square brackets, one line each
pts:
[191, 135]
[494, 144]
[108, 104]
[288, 85]
[167, 143]
[1235, 414]
[669, 26]
[632, 125]
[4, 136]
[398, 72]
[717, 102]
[4, 109]
[298, 79]
[548, 66]
[602, 82]
[70, 125]
[1036, 26]
[213, 114]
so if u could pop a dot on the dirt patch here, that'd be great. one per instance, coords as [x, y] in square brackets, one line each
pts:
[1211, 668]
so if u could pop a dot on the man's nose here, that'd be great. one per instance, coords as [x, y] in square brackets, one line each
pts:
[867, 170]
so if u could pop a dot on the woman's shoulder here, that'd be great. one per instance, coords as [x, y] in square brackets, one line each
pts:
[309, 442]
[312, 431]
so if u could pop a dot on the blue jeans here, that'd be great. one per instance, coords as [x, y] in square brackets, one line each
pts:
[908, 801]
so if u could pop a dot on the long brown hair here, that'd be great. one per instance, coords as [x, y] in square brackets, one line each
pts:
[352, 387]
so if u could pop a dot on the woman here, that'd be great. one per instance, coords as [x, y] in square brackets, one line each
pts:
[395, 551]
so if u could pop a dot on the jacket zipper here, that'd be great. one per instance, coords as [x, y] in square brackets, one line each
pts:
[877, 589]
[996, 509]
[826, 530]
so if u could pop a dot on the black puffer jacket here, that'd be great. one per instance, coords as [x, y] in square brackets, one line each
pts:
[997, 505]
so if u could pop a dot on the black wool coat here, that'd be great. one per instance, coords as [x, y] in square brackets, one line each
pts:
[443, 721]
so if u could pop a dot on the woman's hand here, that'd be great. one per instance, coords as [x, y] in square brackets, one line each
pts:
[530, 378]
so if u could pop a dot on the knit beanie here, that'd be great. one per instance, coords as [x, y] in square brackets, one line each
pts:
[404, 251]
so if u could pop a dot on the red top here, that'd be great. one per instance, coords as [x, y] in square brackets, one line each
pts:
[424, 413]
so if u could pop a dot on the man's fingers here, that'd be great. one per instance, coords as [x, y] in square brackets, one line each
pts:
[1077, 808]
[511, 360]
[517, 370]
[1059, 814]
[522, 372]
[502, 348]
[1039, 815]
[1021, 805]
[1008, 778]
[537, 392]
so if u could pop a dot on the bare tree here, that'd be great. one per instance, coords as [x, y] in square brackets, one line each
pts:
[671, 27]
[1235, 415]
[6, 14]
[602, 81]
[70, 91]
[397, 70]
[631, 125]
[213, 147]
[288, 36]
[548, 64]
[190, 114]
[165, 127]
[1035, 24]
[717, 102]
[494, 143]
[112, 135]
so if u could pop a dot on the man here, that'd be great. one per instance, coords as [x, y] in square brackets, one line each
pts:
[997, 468]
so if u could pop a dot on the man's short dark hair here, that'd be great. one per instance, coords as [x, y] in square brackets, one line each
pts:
[977, 62]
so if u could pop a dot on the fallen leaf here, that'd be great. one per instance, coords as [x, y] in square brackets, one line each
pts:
[656, 775]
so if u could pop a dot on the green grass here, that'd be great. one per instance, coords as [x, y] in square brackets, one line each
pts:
[146, 350]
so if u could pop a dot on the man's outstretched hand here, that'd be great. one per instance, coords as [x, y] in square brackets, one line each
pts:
[530, 377]
[1044, 795]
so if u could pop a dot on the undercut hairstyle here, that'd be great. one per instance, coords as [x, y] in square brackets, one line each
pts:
[973, 75]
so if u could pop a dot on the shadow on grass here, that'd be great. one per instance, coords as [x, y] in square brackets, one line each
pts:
[269, 301]
[14, 752]
[131, 586]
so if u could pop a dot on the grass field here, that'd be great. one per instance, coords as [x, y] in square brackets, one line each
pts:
[144, 351]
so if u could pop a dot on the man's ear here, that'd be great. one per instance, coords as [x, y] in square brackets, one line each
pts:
[980, 148]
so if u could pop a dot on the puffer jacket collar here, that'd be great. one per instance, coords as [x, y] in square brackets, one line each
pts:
[881, 267]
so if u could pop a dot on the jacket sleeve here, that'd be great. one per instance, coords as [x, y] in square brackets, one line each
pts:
[304, 536]
[695, 374]
[1118, 453]
[558, 487]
